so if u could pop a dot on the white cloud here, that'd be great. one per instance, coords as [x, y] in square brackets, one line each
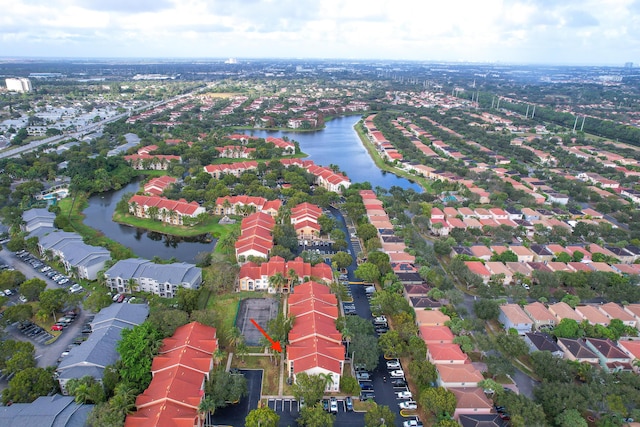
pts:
[594, 31]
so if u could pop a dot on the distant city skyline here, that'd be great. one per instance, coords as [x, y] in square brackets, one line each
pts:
[571, 32]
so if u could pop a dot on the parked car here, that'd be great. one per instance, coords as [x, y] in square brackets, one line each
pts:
[57, 327]
[333, 405]
[409, 404]
[121, 298]
[22, 299]
[363, 375]
[366, 395]
[398, 373]
[325, 404]
[75, 289]
[412, 423]
[348, 402]
[399, 382]
[404, 395]
[115, 297]
[8, 292]
[393, 364]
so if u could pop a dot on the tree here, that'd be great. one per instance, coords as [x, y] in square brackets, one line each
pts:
[188, 299]
[28, 384]
[262, 417]
[366, 231]
[18, 313]
[423, 372]
[20, 361]
[567, 328]
[52, 300]
[309, 387]
[441, 402]
[392, 344]
[137, 348]
[512, 345]
[86, 390]
[341, 260]
[315, 416]
[368, 272]
[498, 365]
[277, 281]
[32, 288]
[378, 416]
[365, 351]
[167, 320]
[486, 309]
[224, 388]
[349, 385]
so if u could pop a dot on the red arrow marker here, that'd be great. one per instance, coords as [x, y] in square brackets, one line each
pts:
[275, 345]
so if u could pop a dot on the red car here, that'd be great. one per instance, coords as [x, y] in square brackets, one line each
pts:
[56, 328]
[121, 297]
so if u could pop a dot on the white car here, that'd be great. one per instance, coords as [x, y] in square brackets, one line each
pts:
[75, 289]
[404, 395]
[398, 373]
[409, 404]
[412, 423]
[22, 299]
[393, 364]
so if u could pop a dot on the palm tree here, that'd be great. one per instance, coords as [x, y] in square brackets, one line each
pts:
[153, 212]
[123, 399]
[226, 205]
[207, 406]
[293, 279]
[277, 281]
[234, 337]
[218, 356]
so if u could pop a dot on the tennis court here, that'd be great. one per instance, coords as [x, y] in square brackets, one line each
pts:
[259, 309]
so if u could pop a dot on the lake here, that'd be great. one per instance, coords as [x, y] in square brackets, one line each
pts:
[145, 244]
[339, 143]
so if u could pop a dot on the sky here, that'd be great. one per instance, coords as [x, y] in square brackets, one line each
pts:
[584, 32]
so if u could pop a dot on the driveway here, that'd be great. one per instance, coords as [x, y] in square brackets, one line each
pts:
[234, 415]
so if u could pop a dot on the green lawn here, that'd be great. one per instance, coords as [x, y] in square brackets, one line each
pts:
[209, 226]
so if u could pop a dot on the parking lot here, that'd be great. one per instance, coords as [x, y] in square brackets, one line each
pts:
[289, 410]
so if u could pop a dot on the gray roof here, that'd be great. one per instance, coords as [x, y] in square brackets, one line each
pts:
[45, 411]
[58, 238]
[120, 315]
[99, 350]
[38, 213]
[176, 273]
[40, 232]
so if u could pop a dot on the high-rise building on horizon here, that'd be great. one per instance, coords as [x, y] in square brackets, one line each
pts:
[628, 65]
[19, 84]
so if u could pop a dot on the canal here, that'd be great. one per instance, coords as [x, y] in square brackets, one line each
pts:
[339, 143]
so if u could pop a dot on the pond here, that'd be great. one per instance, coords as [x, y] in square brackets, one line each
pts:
[339, 143]
[145, 244]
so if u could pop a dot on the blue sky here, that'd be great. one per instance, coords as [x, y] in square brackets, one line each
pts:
[520, 31]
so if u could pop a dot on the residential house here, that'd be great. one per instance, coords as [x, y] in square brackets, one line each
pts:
[512, 316]
[99, 350]
[541, 253]
[611, 357]
[496, 268]
[562, 310]
[179, 372]
[482, 252]
[457, 375]
[446, 354]
[167, 210]
[615, 311]
[82, 260]
[315, 345]
[254, 277]
[634, 310]
[540, 315]
[156, 186]
[521, 268]
[246, 205]
[136, 274]
[436, 335]
[255, 236]
[632, 349]
[592, 315]
[482, 420]
[46, 411]
[304, 218]
[524, 254]
[471, 400]
[431, 318]
[539, 341]
[37, 218]
[235, 169]
[478, 268]
[576, 349]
